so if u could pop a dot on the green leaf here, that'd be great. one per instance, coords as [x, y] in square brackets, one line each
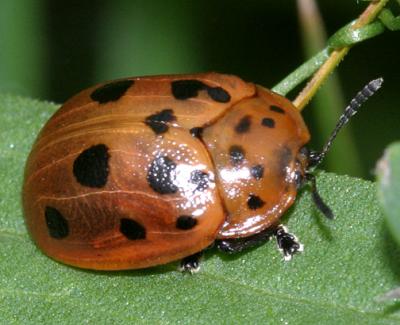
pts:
[388, 172]
[346, 263]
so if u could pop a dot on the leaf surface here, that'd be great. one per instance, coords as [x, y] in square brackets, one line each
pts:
[347, 262]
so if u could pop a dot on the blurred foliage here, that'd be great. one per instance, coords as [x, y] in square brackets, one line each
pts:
[53, 49]
[23, 47]
[388, 174]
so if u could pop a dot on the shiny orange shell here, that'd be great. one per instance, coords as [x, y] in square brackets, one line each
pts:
[143, 171]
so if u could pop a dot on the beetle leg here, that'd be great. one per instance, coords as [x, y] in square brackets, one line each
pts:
[191, 263]
[319, 203]
[236, 245]
[288, 243]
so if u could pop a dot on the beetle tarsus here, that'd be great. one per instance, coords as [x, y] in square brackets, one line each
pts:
[191, 263]
[287, 243]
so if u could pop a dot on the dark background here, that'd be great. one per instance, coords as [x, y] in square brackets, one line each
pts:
[52, 49]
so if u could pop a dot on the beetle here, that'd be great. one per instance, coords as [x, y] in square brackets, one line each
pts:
[143, 171]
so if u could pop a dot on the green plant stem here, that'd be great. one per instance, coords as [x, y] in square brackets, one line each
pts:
[336, 56]
[329, 101]
[328, 59]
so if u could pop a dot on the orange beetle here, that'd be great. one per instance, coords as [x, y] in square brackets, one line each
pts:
[144, 171]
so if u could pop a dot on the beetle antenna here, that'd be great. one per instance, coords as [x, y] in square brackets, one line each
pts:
[316, 158]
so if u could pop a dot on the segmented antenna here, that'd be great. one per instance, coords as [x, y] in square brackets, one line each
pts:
[368, 90]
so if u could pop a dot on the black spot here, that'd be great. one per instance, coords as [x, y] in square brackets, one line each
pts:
[268, 122]
[111, 92]
[57, 225]
[244, 124]
[185, 222]
[219, 94]
[196, 132]
[200, 178]
[159, 121]
[131, 229]
[185, 89]
[91, 166]
[236, 154]
[257, 171]
[161, 175]
[277, 109]
[254, 202]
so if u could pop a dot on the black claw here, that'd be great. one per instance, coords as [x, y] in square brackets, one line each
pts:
[191, 264]
[287, 243]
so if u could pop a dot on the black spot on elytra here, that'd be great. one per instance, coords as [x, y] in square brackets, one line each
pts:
[111, 92]
[161, 175]
[254, 202]
[277, 109]
[236, 154]
[268, 122]
[244, 124]
[57, 225]
[159, 122]
[131, 229]
[257, 171]
[185, 222]
[219, 94]
[185, 89]
[196, 132]
[91, 166]
[189, 88]
[200, 178]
